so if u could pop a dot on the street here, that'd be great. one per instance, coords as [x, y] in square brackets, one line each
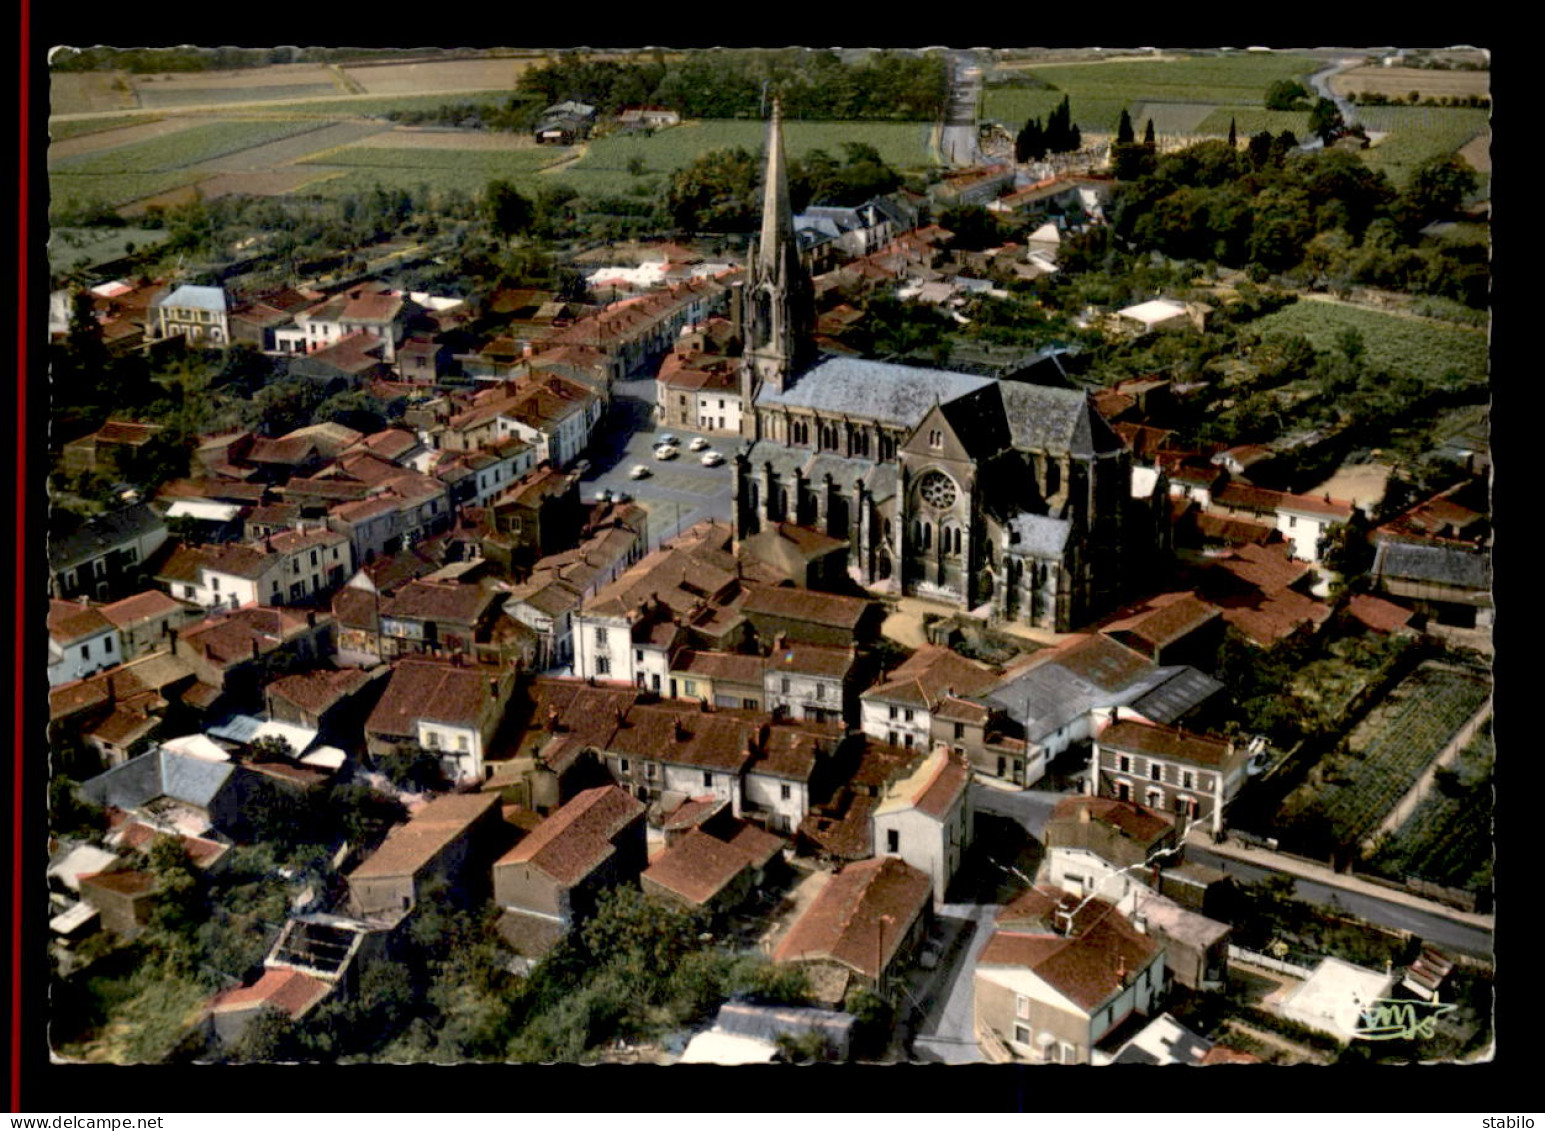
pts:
[948, 1032]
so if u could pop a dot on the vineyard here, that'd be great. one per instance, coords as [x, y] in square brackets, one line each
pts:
[1448, 839]
[438, 169]
[1387, 755]
[180, 150]
[1417, 133]
[1425, 350]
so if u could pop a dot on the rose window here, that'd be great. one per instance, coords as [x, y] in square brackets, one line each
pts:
[937, 490]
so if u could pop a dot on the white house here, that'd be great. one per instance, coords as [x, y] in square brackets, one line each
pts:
[81, 642]
[926, 818]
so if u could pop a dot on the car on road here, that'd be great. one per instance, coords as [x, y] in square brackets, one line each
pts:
[640, 471]
[668, 438]
[698, 443]
[712, 459]
[665, 451]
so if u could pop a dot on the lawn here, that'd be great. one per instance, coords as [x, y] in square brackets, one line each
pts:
[1097, 92]
[1426, 350]
[1417, 133]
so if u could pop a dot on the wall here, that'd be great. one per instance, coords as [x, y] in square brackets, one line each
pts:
[878, 724]
[781, 814]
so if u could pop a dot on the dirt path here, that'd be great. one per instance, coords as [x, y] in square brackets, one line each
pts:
[574, 156]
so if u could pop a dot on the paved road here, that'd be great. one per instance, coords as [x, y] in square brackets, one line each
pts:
[678, 492]
[958, 139]
[1031, 807]
[948, 1032]
[1431, 927]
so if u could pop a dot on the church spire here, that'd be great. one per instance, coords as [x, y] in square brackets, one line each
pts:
[777, 216]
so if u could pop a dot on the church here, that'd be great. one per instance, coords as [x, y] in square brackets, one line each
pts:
[1005, 499]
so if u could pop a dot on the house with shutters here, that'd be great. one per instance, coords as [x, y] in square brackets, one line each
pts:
[447, 709]
[899, 708]
[200, 314]
[81, 642]
[104, 557]
[1194, 776]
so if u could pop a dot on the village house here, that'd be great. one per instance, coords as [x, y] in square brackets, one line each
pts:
[439, 618]
[199, 314]
[550, 882]
[233, 653]
[116, 709]
[105, 557]
[1303, 520]
[451, 711]
[704, 872]
[332, 702]
[926, 818]
[370, 309]
[1194, 776]
[1450, 584]
[731, 680]
[699, 392]
[81, 642]
[146, 621]
[861, 929]
[1100, 846]
[1260, 590]
[288, 568]
[1059, 975]
[110, 449]
[291, 993]
[807, 681]
[898, 709]
[450, 841]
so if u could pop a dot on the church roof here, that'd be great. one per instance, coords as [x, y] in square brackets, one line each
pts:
[1055, 420]
[1038, 535]
[893, 394]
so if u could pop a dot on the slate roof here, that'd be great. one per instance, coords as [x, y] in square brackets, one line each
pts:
[96, 536]
[575, 840]
[872, 390]
[1038, 535]
[1042, 418]
[1443, 565]
[159, 773]
[196, 298]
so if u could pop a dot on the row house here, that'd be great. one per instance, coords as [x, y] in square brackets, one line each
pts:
[554, 414]
[257, 323]
[291, 567]
[450, 842]
[81, 642]
[699, 393]
[438, 618]
[369, 308]
[637, 332]
[105, 556]
[450, 710]
[1305, 521]
[356, 359]
[477, 478]
[146, 621]
[1194, 776]
[899, 709]
[235, 653]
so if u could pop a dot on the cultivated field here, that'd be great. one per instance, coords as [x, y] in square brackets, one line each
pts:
[360, 167]
[1389, 752]
[1251, 120]
[1423, 348]
[418, 137]
[89, 92]
[445, 75]
[1477, 153]
[1401, 81]
[1416, 133]
[122, 132]
[272, 182]
[1171, 117]
[67, 129]
[1448, 839]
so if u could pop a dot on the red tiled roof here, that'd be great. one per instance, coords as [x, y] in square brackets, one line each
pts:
[426, 690]
[944, 788]
[122, 883]
[1276, 616]
[69, 621]
[1165, 742]
[289, 991]
[412, 846]
[573, 842]
[439, 601]
[828, 609]
[1267, 568]
[730, 666]
[1379, 614]
[812, 659]
[141, 607]
[1132, 820]
[316, 691]
[931, 674]
[863, 914]
[697, 867]
[1262, 500]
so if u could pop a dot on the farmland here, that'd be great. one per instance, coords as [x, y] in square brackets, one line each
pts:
[59, 131]
[438, 169]
[89, 93]
[1400, 82]
[1448, 839]
[1097, 92]
[1423, 348]
[1386, 755]
[443, 75]
[1417, 133]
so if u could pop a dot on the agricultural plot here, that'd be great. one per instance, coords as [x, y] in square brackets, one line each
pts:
[1097, 92]
[89, 92]
[1448, 839]
[60, 131]
[69, 248]
[180, 150]
[135, 131]
[1388, 754]
[372, 106]
[1171, 117]
[1416, 133]
[903, 145]
[1400, 82]
[1250, 120]
[176, 98]
[419, 137]
[1425, 349]
[361, 167]
[440, 75]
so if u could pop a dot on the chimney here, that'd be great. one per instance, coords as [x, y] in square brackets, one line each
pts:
[681, 731]
[84, 601]
[112, 691]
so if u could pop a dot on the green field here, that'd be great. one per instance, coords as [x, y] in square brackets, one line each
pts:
[1250, 120]
[1448, 839]
[373, 106]
[1098, 92]
[179, 150]
[113, 190]
[63, 131]
[86, 247]
[440, 169]
[1426, 350]
[1417, 133]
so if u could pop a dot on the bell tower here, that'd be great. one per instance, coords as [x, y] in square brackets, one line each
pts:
[780, 314]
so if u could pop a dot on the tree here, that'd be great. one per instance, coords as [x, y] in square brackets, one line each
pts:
[508, 211]
[1325, 120]
[1438, 186]
[1030, 144]
[1124, 132]
[1285, 94]
[410, 766]
[268, 1037]
[1233, 134]
[1148, 135]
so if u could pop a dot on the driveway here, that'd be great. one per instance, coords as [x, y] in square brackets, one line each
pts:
[677, 493]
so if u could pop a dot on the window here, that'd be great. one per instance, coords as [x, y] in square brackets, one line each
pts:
[1188, 779]
[638, 655]
[1292, 521]
[187, 591]
[907, 741]
[907, 714]
[85, 651]
[600, 638]
[820, 691]
[890, 737]
[689, 686]
[461, 743]
[603, 665]
[107, 645]
[1125, 763]
[892, 840]
[649, 769]
[654, 681]
[708, 779]
[935, 438]
[893, 714]
[622, 764]
[1156, 771]
[1022, 1008]
[1155, 799]
[433, 740]
[1022, 1033]
[785, 792]
[214, 583]
[313, 557]
[784, 685]
[960, 730]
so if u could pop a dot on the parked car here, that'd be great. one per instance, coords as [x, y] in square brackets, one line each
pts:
[640, 471]
[699, 443]
[712, 459]
[665, 451]
[668, 438]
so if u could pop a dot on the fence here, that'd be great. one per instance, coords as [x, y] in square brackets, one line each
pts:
[1250, 957]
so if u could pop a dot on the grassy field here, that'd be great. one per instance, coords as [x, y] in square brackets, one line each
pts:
[1250, 120]
[86, 247]
[1417, 133]
[63, 131]
[1424, 349]
[1097, 92]
[180, 150]
[361, 167]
